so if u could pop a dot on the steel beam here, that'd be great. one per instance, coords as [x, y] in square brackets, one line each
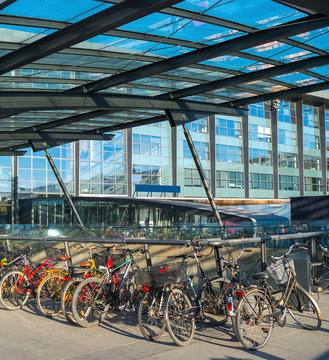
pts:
[12, 153]
[55, 135]
[27, 101]
[96, 24]
[291, 93]
[63, 187]
[240, 43]
[295, 66]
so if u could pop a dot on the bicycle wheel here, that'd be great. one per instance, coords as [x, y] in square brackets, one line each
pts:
[253, 324]
[150, 315]
[303, 309]
[49, 294]
[321, 282]
[89, 303]
[66, 298]
[14, 290]
[180, 324]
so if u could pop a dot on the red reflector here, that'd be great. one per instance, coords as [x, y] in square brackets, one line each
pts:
[230, 306]
[66, 278]
[163, 270]
[240, 293]
[145, 288]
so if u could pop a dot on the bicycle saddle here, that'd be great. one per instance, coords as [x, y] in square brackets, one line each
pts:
[260, 276]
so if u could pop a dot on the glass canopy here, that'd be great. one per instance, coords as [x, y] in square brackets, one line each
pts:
[92, 66]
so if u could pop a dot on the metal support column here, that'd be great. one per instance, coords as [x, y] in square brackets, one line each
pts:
[218, 252]
[63, 187]
[263, 254]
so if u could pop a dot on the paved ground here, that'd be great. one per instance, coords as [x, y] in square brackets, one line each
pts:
[24, 334]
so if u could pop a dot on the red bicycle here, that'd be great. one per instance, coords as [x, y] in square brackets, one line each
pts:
[18, 285]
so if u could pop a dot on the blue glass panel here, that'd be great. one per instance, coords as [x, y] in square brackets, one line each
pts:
[298, 79]
[229, 62]
[258, 13]
[50, 9]
[318, 38]
[322, 70]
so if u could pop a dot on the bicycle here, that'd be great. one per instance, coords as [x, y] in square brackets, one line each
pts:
[94, 296]
[179, 313]
[49, 291]
[155, 283]
[12, 259]
[16, 286]
[96, 259]
[258, 310]
[320, 282]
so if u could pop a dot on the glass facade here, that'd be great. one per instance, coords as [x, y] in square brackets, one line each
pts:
[148, 155]
[260, 151]
[288, 168]
[312, 152]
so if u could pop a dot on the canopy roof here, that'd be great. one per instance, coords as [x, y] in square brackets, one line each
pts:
[88, 67]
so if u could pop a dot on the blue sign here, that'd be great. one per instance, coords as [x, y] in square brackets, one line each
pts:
[157, 188]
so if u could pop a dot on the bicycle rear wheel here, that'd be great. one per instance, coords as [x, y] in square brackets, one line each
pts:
[66, 298]
[254, 325]
[89, 303]
[180, 323]
[49, 294]
[304, 309]
[14, 290]
[150, 314]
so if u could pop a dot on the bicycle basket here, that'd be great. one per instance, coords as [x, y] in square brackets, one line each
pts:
[159, 276]
[279, 270]
[53, 253]
[117, 257]
[100, 258]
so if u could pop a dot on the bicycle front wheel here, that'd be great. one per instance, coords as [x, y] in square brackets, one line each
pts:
[14, 290]
[179, 320]
[150, 314]
[49, 294]
[304, 309]
[89, 303]
[66, 298]
[253, 321]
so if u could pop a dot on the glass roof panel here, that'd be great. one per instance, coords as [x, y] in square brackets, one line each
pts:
[181, 28]
[255, 13]
[230, 62]
[318, 38]
[298, 79]
[45, 9]
[322, 70]
[279, 51]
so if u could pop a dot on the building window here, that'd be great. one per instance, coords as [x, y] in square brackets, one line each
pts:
[312, 162]
[229, 153]
[261, 181]
[261, 110]
[311, 116]
[200, 126]
[202, 149]
[287, 182]
[146, 174]
[146, 145]
[287, 137]
[229, 180]
[260, 133]
[286, 112]
[288, 160]
[260, 157]
[313, 184]
[311, 141]
[228, 127]
[192, 177]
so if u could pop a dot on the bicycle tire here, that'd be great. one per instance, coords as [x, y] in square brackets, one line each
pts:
[304, 309]
[49, 294]
[10, 296]
[89, 303]
[150, 315]
[180, 324]
[66, 298]
[252, 329]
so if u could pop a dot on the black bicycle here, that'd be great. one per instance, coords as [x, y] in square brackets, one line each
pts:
[320, 282]
[259, 309]
[213, 297]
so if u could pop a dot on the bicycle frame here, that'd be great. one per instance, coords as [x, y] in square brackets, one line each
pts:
[26, 270]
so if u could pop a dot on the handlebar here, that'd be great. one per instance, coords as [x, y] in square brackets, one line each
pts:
[289, 251]
[323, 249]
